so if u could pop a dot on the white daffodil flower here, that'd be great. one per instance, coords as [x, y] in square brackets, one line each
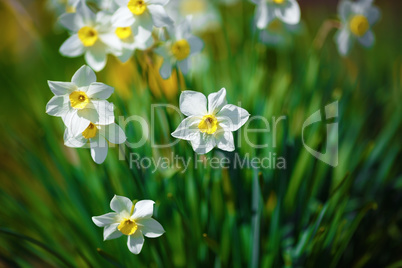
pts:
[133, 38]
[141, 13]
[132, 220]
[178, 49]
[287, 11]
[97, 137]
[93, 35]
[207, 128]
[81, 101]
[357, 19]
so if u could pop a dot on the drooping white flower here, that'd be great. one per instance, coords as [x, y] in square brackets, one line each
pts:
[178, 49]
[93, 35]
[208, 127]
[141, 13]
[81, 101]
[135, 221]
[133, 38]
[98, 137]
[357, 19]
[287, 11]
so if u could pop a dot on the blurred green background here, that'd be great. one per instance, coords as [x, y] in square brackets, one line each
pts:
[308, 215]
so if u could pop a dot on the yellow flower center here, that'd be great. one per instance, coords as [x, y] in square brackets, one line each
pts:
[90, 131]
[208, 124]
[127, 226]
[279, 1]
[181, 49]
[137, 7]
[123, 32]
[359, 25]
[88, 36]
[79, 100]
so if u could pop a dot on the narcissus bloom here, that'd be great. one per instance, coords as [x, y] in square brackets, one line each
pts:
[93, 35]
[178, 50]
[133, 38]
[141, 13]
[208, 127]
[98, 137]
[357, 19]
[287, 11]
[133, 220]
[81, 101]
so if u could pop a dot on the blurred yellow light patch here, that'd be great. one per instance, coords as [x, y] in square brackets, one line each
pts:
[181, 49]
[79, 100]
[88, 36]
[90, 131]
[193, 6]
[127, 226]
[137, 7]
[208, 124]
[123, 32]
[359, 25]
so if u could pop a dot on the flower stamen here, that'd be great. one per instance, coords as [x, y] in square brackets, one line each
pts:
[127, 226]
[208, 124]
[78, 100]
[137, 7]
[90, 131]
[123, 32]
[181, 49]
[88, 36]
[359, 25]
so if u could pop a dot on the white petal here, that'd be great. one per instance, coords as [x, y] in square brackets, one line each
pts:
[71, 21]
[344, 10]
[58, 106]
[367, 40]
[85, 13]
[232, 117]
[188, 128]
[105, 219]
[72, 47]
[113, 42]
[196, 44]
[262, 15]
[290, 13]
[75, 123]
[193, 103]
[111, 232]
[122, 2]
[99, 90]
[166, 69]
[203, 143]
[224, 141]
[72, 141]
[99, 112]
[99, 148]
[96, 59]
[216, 101]
[159, 16]
[121, 204]
[184, 65]
[344, 40]
[373, 14]
[135, 242]
[157, 2]
[123, 17]
[151, 228]
[114, 133]
[61, 88]
[143, 209]
[84, 76]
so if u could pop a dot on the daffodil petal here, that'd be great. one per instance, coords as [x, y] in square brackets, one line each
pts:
[188, 128]
[121, 204]
[203, 143]
[135, 242]
[71, 141]
[99, 90]
[151, 228]
[114, 133]
[344, 10]
[74, 122]
[61, 88]
[344, 41]
[289, 13]
[105, 219]
[184, 65]
[216, 101]
[111, 232]
[193, 103]
[57, 106]
[262, 15]
[373, 14]
[166, 69]
[71, 21]
[159, 16]
[225, 141]
[143, 209]
[99, 148]
[157, 2]
[88, 17]
[232, 117]
[84, 76]
[72, 47]
[196, 44]
[123, 17]
[96, 58]
[367, 40]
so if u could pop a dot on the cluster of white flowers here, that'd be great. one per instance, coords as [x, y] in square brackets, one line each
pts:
[86, 113]
[121, 27]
